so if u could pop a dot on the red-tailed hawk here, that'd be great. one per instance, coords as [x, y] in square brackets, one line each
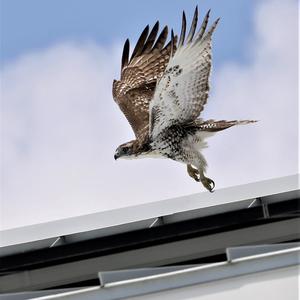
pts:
[162, 91]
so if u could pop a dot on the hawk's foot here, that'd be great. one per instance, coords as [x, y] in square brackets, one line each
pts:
[208, 183]
[193, 172]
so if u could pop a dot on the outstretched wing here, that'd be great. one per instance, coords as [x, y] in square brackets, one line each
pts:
[139, 75]
[183, 89]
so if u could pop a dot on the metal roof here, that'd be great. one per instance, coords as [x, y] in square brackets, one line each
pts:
[233, 254]
[177, 244]
[130, 283]
[142, 216]
[269, 258]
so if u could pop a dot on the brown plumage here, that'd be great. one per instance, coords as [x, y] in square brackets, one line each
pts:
[139, 76]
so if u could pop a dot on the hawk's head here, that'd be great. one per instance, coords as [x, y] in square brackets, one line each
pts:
[125, 150]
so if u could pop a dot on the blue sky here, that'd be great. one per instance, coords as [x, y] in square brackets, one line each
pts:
[60, 126]
[31, 25]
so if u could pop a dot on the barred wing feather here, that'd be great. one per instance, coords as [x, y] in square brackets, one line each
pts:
[182, 91]
[139, 75]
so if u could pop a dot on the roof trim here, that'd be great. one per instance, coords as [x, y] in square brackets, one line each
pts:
[261, 266]
[149, 211]
[61, 273]
[189, 276]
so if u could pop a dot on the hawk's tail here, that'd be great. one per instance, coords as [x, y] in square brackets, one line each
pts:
[212, 125]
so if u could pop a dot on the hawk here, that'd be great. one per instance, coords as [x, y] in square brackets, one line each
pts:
[162, 91]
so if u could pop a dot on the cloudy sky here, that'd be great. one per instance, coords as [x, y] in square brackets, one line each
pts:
[60, 126]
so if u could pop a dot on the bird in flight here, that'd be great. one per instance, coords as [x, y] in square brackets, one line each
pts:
[162, 91]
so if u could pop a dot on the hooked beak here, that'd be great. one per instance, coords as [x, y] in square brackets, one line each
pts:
[116, 156]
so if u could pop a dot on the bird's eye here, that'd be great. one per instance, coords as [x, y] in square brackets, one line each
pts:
[125, 150]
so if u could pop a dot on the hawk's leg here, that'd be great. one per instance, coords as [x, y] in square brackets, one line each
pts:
[208, 183]
[196, 170]
[193, 172]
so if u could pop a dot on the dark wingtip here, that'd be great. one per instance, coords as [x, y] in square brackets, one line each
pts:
[183, 29]
[161, 39]
[150, 39]
[125, 54]
[155, 27]
[144, 33]
[140, 43]
[204, 26]
[213, 27]
[196, 11]
[172, 43]
[193, 26]
[145, 30]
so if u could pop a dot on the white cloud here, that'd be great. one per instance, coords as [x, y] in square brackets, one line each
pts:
[265, 89]
[60, 127]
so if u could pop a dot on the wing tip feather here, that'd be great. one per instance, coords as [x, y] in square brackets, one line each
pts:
[148, 43]
[172, 43]
[160, 42]
[125, 54]
[183, 30]
[193, 26]
[140, 43]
